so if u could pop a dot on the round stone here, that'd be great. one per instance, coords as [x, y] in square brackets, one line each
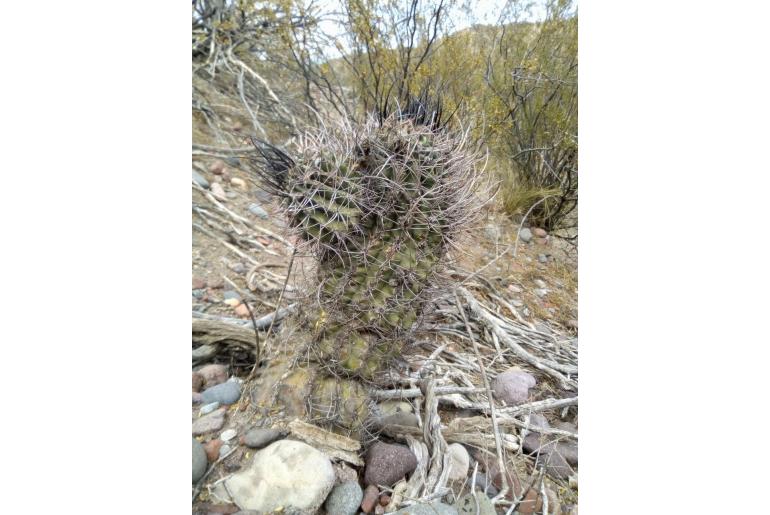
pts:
[199, 461]
[344, 499]
[225, 393]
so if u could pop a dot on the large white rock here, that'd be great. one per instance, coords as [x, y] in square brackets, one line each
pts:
[286, 474]
[459, 461]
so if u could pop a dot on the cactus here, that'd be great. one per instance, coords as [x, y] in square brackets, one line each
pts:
[379, 205]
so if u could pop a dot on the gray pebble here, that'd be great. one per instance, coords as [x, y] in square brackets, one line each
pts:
[257, 210]
[540, 283]
[542, 258]
[525, 235]
[204, 352]
[199, 460]
[224, 450]
[541, 292]
[260, 437]
[225, 393]
[344, 499]
[435, 508]
[199, 179]
[208, 408]
[229, 294]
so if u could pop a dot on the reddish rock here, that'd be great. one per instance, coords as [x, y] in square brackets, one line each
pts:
[198, 283]
[531, 503]
[218, 191]
[217, 167]
[387, 463]
[539, 233]
[197, 382]
[213, 374]
[512, 386]
[370, 498]
[212, 449]
[216, 284]
[241, 311]
[384, 499]
[541, 241]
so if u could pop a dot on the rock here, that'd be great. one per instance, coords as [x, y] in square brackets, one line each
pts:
[541, 241]
[198, 283]
[213, 374]
[541, 292]
[538, 420]
[199, 462]
[238, 268]
[217, 167]
[344, 499]
[259, 437]
[493, 232]
[542, 258]
[224, 450]
[242, 311]
[197, 398]
[199, 179]
[572, 324]
[384, 500]
[552, 454]
[218, 191]
[211, 422]
[231, 194]
[208, 408]
[539, 233]
[257, 210]
[514, 289]
[228, 435]
[398, 419]
[387, 463]
[467, 505]
[233, 161]
[212, 449]
[525, 235]
[225, 393]
[369, 499]
[459, 461]
[540, 283]
[531, 503]
[203, 353]
[512, 386]
[434, 508]
[287, 474]
[238, 183]
[197, 381]
[233, 303]
[379, 510]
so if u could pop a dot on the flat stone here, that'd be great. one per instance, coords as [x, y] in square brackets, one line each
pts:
[225, 393]
[199, 461]
[387, 463]
[228, 435]
[208, 408]
[211, 422]
[199, 179]
[287, 475]
[259, 437]
[344, 499]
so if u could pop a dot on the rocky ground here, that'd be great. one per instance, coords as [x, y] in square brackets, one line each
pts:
[247, 464]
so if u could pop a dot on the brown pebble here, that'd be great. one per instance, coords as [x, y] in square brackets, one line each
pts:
[217, 167]
[384, 499]
[198, 283]
[212, 449]
[370, 498]
[242, 311]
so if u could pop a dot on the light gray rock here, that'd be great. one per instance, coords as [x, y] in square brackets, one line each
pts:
[199, 460]
[435, 508]
[512, 386]
[517, 303]
[541, 292]
[228, 435]
[257, 210]
[224, 450]
[208, 408]
[542, 258]
[225, 393]
[459, 461]
[525, 235]
[540, 283]
[287, 474]
[392, 407]
[199, 179]
[259, 437]
[344, 499]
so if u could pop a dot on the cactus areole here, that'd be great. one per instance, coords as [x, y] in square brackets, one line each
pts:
[379, 205]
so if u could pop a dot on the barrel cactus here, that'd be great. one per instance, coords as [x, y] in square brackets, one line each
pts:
[378, 204]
